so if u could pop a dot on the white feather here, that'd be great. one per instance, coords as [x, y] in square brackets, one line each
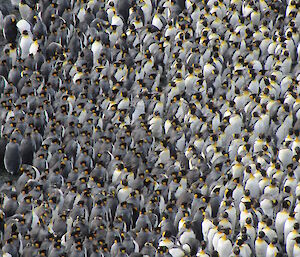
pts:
[23, 25]
[35, 219]
[37, 173]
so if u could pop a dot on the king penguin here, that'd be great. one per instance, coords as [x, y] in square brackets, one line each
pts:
[12, 156]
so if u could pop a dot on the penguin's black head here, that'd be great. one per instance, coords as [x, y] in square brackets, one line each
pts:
[167, 234]
[215, 254]
[249, 220]
[160, 10]
[261, 234]
[148, 55]
[162, 249]
[297, 239]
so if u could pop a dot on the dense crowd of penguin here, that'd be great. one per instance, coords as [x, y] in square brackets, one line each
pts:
[150, 128]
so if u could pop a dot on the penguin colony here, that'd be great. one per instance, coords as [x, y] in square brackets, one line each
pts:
[150, 128]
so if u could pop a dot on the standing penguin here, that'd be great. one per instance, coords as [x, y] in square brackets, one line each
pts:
[3, 143]
[261, 245]
[123, 9]
[27, 149]
[10, 205]
[156, 125]
[25, 43]
[10, 30]
[12, 156]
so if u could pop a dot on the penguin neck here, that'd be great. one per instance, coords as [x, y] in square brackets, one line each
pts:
[259, 240]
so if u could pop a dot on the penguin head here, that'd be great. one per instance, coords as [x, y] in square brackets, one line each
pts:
[42, 252]
[13, 139]
[236, 250]
[27, 199]
[57, 245]
[297, 239]
[117, 239]
[162, 249]
[78, 247]
[261, 234]
[215, 254]
[187, 225]
[247, 205]
[286, 204]
[123, 249]
[124, 183]
[249, 220]
[167, 234]
[25, 33]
